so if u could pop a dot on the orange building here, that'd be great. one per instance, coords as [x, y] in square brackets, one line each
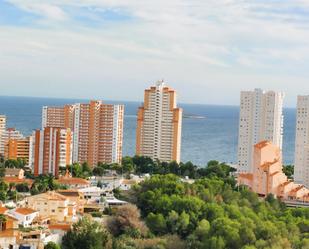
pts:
[52, 150]
[159, 121]
[268, 177]
[97, 130]
[18, 148]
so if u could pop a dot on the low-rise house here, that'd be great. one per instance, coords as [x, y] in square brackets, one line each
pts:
[111, 201]
[15, 172]
[54, 205]
[9, 233]
[75, 196]
[126, 184]
[60, 228]
[36, 239]
[93, 194]
[73, 182]
[16, 176]
[108, 183]
[25, 216]
[16, 180]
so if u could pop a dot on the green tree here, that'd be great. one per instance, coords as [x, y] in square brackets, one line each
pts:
[288, 170]
[85, 234]
[216, 242]
[86, 170]
[2, 171]
[22, 187]
[127, 164]
[51, 245]
[76, 170]
[98, 171]
[156, 223]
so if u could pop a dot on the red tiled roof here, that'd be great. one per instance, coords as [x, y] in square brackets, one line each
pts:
[25, 211]
[72, 181]
[3, 210]
[65, 227]
[13, 179]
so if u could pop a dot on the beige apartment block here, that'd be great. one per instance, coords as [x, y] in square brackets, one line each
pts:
[159, 121]
[301, 169]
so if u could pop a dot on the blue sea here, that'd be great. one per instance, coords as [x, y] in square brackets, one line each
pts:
[203, 139]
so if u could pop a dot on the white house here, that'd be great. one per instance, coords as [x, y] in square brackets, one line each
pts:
[25, 216]
[92, 193]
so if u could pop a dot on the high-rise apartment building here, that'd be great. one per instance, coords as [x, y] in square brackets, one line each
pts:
[260, 119]
[19, 149]
[2, 130]
[159, 122]
[52, 150]
[301, 167]
[11, 133]
[97, 130]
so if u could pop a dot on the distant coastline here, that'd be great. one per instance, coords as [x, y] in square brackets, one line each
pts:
[193, 116]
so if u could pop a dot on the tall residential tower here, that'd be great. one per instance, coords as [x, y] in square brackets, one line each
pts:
[97, 130]
[52, 150]
[2, 131]
[260, 119]
[159, 121]
[301, 168]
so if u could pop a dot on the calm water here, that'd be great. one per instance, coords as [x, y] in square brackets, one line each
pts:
[214, 137]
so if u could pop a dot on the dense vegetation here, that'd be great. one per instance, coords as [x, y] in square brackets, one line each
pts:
[172, 213]
[211, 213]
[85, 234]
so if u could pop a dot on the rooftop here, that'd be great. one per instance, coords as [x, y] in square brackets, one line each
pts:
[72, 181]
[262, 144]
[25, 211]
[3, 210]
[14, 179]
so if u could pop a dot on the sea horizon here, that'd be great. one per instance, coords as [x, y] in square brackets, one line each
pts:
[213, 137]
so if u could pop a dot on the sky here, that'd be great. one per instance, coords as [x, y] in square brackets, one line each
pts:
[208, 50]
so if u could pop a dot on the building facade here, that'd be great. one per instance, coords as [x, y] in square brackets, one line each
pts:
[97, 130]
[301, 168]
[19, 148]
[52, 150]
[268, 178]
[2, 130]
[7, 135]
[260, 118]
[159, 123]
[57, 207]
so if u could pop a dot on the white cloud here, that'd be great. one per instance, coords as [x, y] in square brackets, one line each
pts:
[206, 43]
[47, 10]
